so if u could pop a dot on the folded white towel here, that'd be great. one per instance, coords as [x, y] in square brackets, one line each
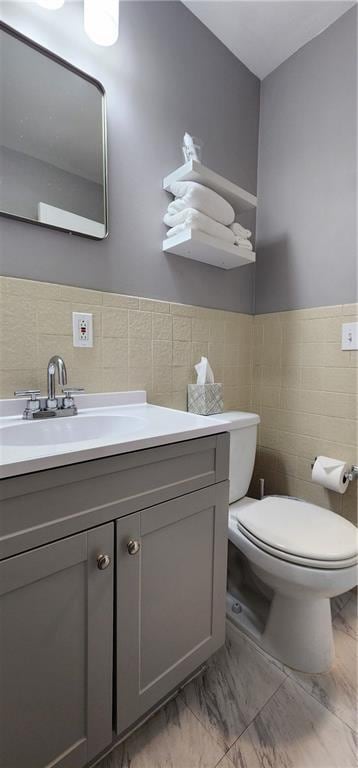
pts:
[190, 194]
[190, 218]
[178, 230]
[242, 242]
[239, 230]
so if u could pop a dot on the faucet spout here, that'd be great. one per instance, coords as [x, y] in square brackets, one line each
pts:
[56, 363]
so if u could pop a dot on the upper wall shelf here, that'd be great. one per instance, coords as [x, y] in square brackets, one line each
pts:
[195, 171]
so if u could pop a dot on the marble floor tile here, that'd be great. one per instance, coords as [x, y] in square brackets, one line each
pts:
[347, 618]
[236, 684]
[225, 763]
[295, 731]
[336, 689]
[337, 603]
[233, 631]
[173, 738]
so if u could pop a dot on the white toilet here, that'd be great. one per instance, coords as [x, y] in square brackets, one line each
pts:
[287, 558]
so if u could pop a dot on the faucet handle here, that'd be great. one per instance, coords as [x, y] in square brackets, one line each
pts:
[32, 394]
[33, 404]
[68, 401]
[69, 391]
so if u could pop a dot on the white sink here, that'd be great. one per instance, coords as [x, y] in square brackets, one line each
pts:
[107, 424]
[71, 429]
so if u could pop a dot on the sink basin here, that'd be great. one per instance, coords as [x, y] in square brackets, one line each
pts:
[107, 424]
[71, 429]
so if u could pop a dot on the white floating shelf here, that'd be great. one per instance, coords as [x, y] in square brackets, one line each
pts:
[193, 244]
[195, 171]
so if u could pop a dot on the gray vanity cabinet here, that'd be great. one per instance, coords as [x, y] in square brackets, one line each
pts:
[56, 614]
[171, 573]
[85, 652]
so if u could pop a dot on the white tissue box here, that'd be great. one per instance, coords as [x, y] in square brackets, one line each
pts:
[205, 399]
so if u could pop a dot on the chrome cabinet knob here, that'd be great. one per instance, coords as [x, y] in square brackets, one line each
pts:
[133, 547]
[103, 561]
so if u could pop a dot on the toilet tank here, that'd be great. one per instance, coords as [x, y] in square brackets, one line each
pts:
[243, 436]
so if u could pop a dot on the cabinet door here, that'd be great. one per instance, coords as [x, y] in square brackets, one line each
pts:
[56, 653]
[170, 596]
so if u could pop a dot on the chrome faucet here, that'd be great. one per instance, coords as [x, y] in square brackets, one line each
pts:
[38, 407]
[56, 363]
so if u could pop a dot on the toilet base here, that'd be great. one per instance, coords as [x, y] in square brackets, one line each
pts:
[297, 632]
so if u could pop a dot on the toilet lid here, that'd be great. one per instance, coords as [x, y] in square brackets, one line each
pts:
[298, 528]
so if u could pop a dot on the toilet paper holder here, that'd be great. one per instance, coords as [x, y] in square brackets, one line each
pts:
[352, 475]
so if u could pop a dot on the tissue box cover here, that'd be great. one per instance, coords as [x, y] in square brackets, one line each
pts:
[205, 399]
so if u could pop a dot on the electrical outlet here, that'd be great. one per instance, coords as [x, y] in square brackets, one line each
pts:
[82, 324]
[350, 336]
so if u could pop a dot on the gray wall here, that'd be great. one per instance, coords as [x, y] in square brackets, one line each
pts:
[26, 181]
[307, 205]
[166, 74]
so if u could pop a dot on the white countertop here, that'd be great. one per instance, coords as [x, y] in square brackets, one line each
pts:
[107, 424]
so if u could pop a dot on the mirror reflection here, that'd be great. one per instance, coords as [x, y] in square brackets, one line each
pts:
[52, 140]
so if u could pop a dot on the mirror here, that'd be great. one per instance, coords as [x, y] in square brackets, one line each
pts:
[53, 169]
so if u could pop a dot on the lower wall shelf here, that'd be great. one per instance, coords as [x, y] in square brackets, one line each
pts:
[193, 244]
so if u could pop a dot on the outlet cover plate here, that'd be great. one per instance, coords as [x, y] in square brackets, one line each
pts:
[349, 336]
[82, 325]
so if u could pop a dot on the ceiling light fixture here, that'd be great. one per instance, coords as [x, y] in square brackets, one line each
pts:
[51, 5]
[101, 21]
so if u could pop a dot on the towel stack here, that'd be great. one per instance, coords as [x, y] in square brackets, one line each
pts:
[242, 236]
[198, 207]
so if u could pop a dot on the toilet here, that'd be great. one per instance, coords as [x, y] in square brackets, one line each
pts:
[287, 558]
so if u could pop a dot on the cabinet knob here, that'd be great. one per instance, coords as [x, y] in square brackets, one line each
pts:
[103, 561]
[133, 547]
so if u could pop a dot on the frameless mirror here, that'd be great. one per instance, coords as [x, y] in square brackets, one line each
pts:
[52, 140]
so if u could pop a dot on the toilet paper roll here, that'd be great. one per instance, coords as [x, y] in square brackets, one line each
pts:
[331, 473]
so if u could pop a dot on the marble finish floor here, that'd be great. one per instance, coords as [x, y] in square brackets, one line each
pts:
[249, 711]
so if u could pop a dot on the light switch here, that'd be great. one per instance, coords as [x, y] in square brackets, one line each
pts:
[82, 324]
[350, 336]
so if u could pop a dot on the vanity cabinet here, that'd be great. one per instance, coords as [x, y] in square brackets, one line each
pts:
[56, 630]
[87, 651]
[171, 576]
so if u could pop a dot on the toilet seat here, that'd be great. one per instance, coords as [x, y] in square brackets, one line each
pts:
[298, 532]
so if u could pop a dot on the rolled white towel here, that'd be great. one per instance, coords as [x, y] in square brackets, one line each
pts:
[190, 194]
[190, 218]
[242, 242]
[240, 231]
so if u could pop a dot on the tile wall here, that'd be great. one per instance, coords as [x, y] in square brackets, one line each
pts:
[287, 366]
[305, 389]
[138, 343]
